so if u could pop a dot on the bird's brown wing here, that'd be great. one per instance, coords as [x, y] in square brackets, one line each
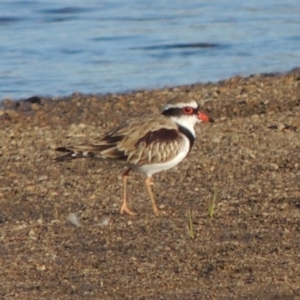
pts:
[145, 140]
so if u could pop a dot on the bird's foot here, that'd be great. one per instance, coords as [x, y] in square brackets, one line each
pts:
[125, 209]
[155, 210]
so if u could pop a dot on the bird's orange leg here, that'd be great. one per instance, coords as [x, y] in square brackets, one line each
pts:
[148, 185]
[124, 207]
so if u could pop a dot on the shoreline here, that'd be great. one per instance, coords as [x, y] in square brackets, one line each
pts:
[253, 95]
[38, 98]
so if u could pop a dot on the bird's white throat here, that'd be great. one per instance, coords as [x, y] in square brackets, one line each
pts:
[186, 121]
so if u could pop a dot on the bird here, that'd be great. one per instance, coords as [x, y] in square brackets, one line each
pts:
[147, 144]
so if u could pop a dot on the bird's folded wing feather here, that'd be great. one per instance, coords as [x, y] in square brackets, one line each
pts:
[139, 141]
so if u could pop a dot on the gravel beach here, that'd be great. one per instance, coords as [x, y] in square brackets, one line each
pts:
[61, 234]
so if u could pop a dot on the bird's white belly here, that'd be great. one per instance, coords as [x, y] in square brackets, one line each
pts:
[151, 169]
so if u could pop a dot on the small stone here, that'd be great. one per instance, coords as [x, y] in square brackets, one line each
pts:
[216, 140]
[280, 127]
[274, 167]
[41, 267]
[105, 221]
[43, 178]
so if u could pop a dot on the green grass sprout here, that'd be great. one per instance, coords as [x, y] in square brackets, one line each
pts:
[212, 204]
[190, 226]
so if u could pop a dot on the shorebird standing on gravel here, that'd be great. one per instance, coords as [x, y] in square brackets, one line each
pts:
[148, 144]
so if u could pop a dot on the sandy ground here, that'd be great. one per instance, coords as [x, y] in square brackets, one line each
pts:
[247, 161]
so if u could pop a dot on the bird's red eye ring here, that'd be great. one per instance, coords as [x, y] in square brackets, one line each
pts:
[188, 110]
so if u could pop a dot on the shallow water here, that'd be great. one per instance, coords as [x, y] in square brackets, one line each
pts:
[59, 47]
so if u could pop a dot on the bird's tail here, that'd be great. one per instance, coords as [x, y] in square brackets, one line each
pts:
[72, 154]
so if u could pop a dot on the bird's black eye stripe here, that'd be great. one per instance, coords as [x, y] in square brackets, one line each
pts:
[196, 110]
[176, 112]
[172, 112]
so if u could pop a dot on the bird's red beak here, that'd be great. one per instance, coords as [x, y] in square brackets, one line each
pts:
[203, 117]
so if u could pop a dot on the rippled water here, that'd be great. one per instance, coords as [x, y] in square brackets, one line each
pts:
[59, 47]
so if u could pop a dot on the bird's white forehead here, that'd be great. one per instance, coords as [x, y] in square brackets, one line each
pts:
[191, 103]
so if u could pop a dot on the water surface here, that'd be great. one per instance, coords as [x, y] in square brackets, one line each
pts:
[55, 48]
